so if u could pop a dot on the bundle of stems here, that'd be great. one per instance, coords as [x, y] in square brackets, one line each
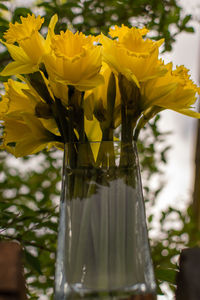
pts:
[104, 206]
[104, 247]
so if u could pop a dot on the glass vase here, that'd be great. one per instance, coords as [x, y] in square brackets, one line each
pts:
[103, 249]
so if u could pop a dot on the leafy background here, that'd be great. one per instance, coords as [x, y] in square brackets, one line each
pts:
[29, 196]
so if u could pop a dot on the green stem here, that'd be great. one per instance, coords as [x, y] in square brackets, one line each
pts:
[125, 131]
[60, 119]
[81, 122]
[147, 115]
[72, 151]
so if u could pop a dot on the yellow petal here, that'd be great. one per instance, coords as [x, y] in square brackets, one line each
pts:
[20, 130]
[122, 31]
[29, 135]
[30, 146]
[94, 134]
[93, 130]
[189, 113]
[17, 100]
[34, 47]
[51, 28]
[16, 52]
[18, 32]
[36, 127]
[17, 67]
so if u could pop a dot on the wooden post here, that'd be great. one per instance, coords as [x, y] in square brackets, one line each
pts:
[12, 283]
[196, 194]
[188, 279]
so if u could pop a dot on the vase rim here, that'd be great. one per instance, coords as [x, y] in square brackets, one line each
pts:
[98, 142]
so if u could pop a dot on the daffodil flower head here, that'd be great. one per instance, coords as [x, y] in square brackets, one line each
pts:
[18, 32]
[132, 55]
[120, 32]
[175, 90]
[27, 36]
[181, 74]
[15, 99]
[25, 127]
[71, 46]
[31, 47]
[75, 60]
[132, 39]
[29, 136]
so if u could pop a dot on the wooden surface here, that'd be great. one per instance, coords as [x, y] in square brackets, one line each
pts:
[12, 284]
[188, 279]
[196, 193]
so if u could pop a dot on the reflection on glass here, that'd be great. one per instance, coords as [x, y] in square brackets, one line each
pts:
[103, 248]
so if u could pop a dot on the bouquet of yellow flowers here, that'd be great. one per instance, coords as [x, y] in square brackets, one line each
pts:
[73, 87]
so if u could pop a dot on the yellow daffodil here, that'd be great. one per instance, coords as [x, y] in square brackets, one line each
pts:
[131, 55]
[29, 135]
[75, 60]
[175, 90]
[26, 120]
[132, 40]
[21, 98]
[20, 32]
[75, 89]
[27, 55]
[15, 100]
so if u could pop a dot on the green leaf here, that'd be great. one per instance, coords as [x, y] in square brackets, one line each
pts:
[189, 29]
[150, 218]
[168, 275]
[2, 6]
[46, 5]
[186, 20]
[33, 261]
[20, 11]
[159, 291]
[72, 4]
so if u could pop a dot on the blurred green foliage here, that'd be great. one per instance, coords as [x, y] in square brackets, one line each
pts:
[96, 16]
[29, 200]
[29, 214]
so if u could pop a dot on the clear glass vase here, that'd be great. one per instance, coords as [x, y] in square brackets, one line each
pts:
[103, 249]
